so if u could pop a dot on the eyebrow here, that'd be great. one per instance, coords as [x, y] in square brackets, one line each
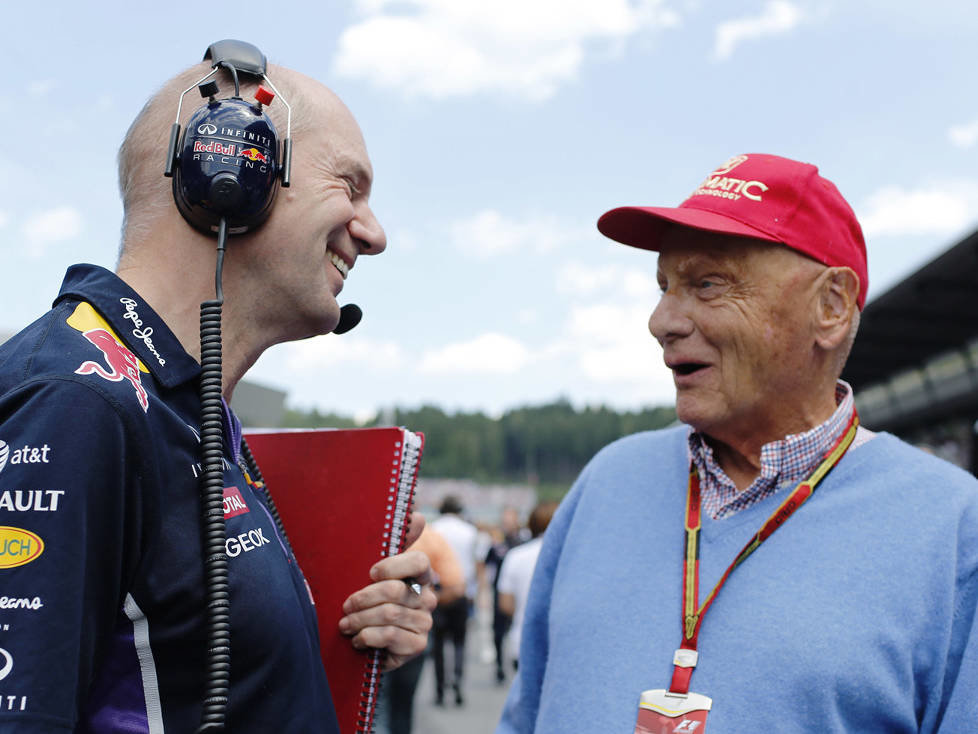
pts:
[362, 175]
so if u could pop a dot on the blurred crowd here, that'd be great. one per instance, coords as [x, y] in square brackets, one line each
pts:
[483, 567]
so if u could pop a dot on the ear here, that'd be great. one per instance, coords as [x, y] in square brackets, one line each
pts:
[838, 291]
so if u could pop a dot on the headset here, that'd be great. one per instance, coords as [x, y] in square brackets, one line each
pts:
[227, 168]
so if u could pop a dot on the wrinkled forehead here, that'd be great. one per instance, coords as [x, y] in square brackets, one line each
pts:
[333, 133]
[684, 247]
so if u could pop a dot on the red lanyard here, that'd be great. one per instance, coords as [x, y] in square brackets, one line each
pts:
[685, 660]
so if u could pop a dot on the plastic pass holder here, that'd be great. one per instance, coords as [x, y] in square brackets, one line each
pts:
[663, 712]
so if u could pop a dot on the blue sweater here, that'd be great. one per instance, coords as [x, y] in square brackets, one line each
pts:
[856, 616]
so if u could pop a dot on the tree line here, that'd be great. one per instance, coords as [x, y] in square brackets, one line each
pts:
[544, 445]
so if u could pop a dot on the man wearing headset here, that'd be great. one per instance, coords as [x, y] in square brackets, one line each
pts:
[101, 617]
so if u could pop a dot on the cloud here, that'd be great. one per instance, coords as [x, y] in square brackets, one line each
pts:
[617, 342]
[49, 226]
[779, 17]
[41, 87]
[4, 218]
[586, 280]
[965, 135]
[941, 208]
[325, 352]
[489, 233]
[490, 353]
[444, 48]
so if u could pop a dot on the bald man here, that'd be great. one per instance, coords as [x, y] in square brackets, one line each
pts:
[102, 624]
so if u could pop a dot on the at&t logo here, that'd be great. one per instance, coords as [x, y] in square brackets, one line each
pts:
[4, 453]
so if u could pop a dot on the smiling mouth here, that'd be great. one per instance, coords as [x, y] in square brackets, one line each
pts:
[339, 264]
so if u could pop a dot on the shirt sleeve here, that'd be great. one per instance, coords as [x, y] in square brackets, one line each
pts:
[69, 542]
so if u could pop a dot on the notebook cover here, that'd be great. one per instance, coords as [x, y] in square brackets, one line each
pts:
[333, 489]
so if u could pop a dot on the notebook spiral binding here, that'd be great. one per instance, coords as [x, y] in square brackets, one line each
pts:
[404, 475]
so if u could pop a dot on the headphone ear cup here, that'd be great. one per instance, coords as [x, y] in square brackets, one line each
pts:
[228, 167]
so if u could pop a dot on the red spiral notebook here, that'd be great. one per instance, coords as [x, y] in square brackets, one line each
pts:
[345, 499]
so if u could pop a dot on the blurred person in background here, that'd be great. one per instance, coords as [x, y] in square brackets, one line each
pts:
[395, 714]
[517, 572]
[450, 619]
[507, 536]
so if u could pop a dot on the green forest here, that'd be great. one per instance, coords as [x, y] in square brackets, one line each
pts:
[545, 446]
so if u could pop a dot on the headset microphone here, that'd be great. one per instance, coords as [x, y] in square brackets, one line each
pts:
[350, 316]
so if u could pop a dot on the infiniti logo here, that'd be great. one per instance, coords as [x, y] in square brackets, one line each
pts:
[8, 663]
[207, 129]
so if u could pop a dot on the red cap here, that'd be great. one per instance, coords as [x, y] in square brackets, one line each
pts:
[761, 196]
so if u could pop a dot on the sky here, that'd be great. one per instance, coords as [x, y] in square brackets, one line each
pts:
[499, 132]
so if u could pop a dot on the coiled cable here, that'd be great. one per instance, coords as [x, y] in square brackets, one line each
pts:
[217, 588]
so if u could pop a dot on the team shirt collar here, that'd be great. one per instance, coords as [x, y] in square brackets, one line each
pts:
[133, 321]
[784, 462]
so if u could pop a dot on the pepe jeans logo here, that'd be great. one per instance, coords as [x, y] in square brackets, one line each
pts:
[207, 129]
[139, 332]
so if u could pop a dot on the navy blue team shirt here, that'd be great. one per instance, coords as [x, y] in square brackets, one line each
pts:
[101, 577]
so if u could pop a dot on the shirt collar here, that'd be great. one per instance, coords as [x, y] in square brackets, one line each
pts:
[134, 322]
[783, 462]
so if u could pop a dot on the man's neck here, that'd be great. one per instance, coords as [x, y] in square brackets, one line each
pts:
[175, 287]
[740, 454]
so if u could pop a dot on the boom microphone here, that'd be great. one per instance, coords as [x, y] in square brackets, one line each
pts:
[350, 316]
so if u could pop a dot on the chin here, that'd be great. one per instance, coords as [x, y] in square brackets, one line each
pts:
[693, 414]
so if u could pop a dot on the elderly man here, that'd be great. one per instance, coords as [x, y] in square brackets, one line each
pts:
[771, 565]
[102, 627]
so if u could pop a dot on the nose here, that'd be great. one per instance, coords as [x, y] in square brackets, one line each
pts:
[367, 232]
[668, 322]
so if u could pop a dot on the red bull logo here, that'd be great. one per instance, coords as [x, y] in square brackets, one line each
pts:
[215, 146]
[122, 363]
[253, 154]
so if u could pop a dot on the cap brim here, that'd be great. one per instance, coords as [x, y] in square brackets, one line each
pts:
[644, 226]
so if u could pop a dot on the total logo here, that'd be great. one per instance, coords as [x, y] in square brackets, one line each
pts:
[234, 503]
[25, 455]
